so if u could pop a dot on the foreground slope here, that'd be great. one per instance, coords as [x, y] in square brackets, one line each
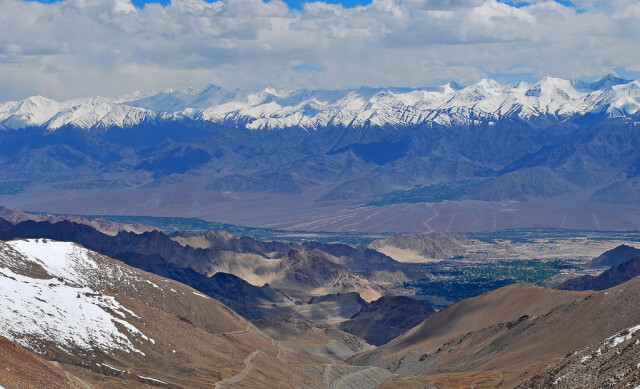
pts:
[22, 368]
[498, 306]
[613, 362]
[519, 346]
[113, 325]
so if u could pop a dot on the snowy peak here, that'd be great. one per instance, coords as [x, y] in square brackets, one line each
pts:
[99, 112]
[86, 113]
[485, 101]
[32, 111]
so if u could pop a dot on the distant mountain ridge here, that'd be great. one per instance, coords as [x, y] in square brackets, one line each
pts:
[488, 147]
[487, 100]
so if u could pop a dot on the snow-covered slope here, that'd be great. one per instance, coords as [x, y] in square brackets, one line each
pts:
[48, 293]
[485, 101]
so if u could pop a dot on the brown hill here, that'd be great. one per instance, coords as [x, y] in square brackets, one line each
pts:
[498, 306]
[329, 309]
[520, 347]
[258, 261]
[311, 273]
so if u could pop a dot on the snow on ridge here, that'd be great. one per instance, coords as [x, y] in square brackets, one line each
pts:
[34, 311]
[486, 100]
[623, 336]
[60, 259]
[64, 309]
[83, 113]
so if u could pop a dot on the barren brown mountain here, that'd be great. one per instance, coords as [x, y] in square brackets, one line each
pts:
[408, 353]
[611, 277]
[615, 256]
[488, 336]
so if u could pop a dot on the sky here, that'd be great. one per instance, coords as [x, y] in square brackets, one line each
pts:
[72, 48]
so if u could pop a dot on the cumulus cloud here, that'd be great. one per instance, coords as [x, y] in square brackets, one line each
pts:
[109, 47]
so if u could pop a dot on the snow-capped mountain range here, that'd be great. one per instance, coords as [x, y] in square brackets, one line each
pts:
[485, 101]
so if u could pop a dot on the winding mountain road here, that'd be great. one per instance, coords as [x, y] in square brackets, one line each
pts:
[240, 376]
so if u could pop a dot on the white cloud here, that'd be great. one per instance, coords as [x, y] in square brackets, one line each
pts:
[108, 47]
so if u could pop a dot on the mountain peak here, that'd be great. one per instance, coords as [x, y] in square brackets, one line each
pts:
[274, 108]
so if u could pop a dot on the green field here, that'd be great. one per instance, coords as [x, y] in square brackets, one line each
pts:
[461, 282]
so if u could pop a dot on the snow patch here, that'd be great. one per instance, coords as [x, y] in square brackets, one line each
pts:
[112, 368]
[154, 285]
[201, 295]
[152, 379]
[623, 336]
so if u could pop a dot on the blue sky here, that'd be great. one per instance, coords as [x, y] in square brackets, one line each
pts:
[70, 48]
